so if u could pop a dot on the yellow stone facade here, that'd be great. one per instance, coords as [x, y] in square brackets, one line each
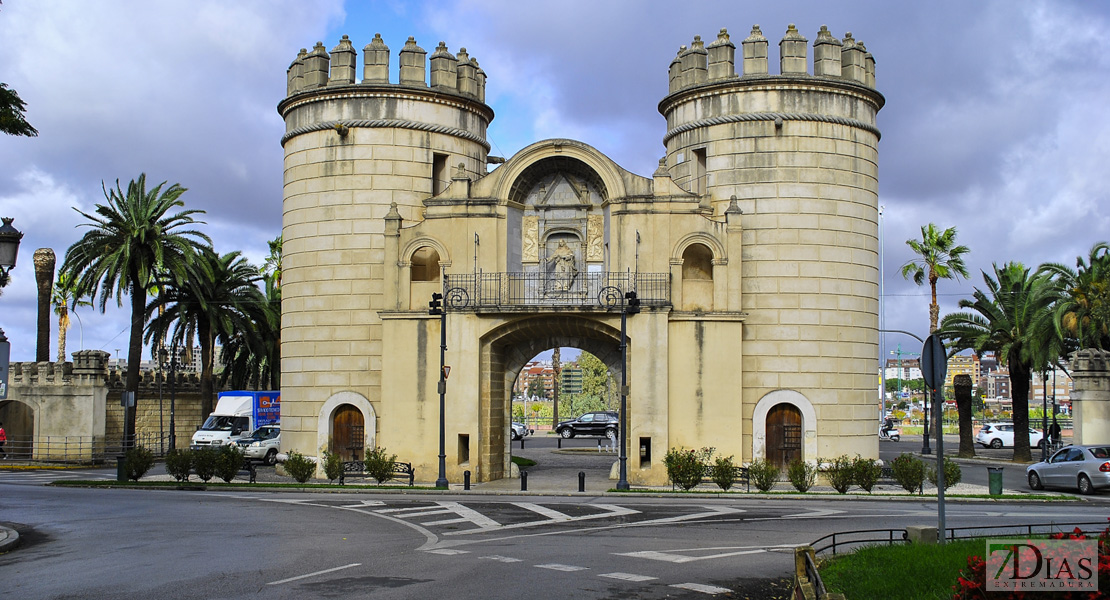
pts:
[753, 248]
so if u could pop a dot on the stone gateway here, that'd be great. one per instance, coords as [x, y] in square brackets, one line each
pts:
[753, 248]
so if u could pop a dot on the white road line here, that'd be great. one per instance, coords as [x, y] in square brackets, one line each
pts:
[447, 521]
[559, 567]
[679, 559]
[504, 559]
[447, 551]
[611, 511]
[471, 515]
[627, 576]
[547, 512]
[700, 587]
[314, 574]
[363, 504]
[423, 513]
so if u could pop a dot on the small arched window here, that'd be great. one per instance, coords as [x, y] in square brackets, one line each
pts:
[697, 262]
[425, 264]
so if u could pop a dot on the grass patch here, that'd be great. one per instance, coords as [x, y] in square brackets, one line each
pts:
[880, 571]
[523, 462]
[237, 484]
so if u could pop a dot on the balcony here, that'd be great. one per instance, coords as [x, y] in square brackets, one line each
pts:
[509, 292]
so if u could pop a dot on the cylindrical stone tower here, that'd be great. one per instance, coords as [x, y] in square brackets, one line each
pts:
[799, 152]
[351, 151]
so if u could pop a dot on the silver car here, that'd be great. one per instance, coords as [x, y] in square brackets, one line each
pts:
[1086, 468]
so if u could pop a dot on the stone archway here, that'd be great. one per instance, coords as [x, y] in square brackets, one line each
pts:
[762, 417]
[341, 405]
[18, 419]
[506, 349]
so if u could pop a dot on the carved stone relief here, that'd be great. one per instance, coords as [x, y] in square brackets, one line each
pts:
[529, 250]
[595, 229]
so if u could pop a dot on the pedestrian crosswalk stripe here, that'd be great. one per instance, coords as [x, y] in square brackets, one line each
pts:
[628, 576]
[701, 587]
[559, 567]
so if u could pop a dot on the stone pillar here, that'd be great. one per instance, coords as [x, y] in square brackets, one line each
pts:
[295, 74]
[826, 54]
[343, 60]
[674, 74]
[375, 57]
[316, 67]
[722, 58]
[755, 53]
[44, 277]
[851, 60]
[444, 68]
[412, 63]
[468, 78]
[1090, 398]
[695, 63]
[792, 52]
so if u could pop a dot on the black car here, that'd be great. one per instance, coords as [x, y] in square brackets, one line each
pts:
[597, 423]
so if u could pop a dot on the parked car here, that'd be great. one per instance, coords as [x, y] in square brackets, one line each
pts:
[597, 423]
[1083, 468]
[999, 435]
[262, 444]
[517, 431]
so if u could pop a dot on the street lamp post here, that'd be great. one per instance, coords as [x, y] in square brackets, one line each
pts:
[9, 248]
[173, 394]
[456, 298]
[629, 304]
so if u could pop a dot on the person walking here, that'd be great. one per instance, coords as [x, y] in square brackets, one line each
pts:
[1054, 433]
[3, 438]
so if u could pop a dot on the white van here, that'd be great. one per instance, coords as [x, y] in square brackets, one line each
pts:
[236, 415]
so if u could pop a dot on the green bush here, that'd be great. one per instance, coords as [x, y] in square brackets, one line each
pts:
[204, 463]
[228, 462]
[380, 465]
[840, 473]
[179, 463]
[952, 473]
[333, 466]
[866, 472]
[299, 466]
[722, 471]
[137, 461]
[763, 474]
[909, 472]
[802, 475]
[685, 468]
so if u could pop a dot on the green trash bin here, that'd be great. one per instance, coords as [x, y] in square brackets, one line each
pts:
[121, 468]
[995, 474]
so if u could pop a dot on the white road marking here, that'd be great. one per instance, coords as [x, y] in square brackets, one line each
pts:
[504, 559]
[364, 503]
[448, 551]
[627, 576]
[679, 558]
[701, 587]
[447, 521]
[471, 515]
[543, 510]
[423, 513]
[612, 510]
[559, 567]
[313, 574]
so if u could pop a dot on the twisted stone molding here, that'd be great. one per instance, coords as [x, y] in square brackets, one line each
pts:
[390, 123]
[770, 116]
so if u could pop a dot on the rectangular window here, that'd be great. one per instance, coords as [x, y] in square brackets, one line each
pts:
[645, 452]
[699, 186]
[440, 177]
[464, 449]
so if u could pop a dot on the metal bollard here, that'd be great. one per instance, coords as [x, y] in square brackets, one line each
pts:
[522, 442]
[524, 481]
[559, 441]
[581, 481]
[466, 480]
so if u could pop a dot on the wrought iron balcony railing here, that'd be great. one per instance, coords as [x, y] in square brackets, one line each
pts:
[512, 291]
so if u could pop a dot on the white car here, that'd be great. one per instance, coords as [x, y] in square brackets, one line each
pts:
[263, 444]
[1000, 435]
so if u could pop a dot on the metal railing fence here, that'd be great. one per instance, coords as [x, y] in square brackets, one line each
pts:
[476, 291]
[78, 448]
[833, 541]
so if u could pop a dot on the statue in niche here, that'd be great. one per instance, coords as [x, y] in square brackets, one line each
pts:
[562, 267]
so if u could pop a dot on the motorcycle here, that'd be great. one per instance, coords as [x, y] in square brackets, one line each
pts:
[891, 434]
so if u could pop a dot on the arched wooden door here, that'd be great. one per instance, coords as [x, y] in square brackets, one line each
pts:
[784, 435]
[348, 436]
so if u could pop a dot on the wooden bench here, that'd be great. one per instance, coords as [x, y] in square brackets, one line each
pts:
[356, 469]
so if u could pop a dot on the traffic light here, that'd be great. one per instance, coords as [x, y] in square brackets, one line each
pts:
[435, 307]
[633, 305]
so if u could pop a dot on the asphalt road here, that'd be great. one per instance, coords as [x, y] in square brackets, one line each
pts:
[102, 543]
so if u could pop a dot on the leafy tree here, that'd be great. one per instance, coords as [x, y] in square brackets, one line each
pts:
[938, 257]
[12, 121]
[536, 388]
[1082, 310]
[596, 380]
[252, 356]
[214, 300]
[65, 298]
[1010, 318]
[132, 237]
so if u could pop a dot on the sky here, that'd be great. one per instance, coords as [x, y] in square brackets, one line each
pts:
[995, 119]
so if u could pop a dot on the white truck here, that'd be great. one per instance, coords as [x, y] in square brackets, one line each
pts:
[237, 414]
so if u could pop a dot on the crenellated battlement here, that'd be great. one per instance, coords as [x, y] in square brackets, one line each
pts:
[697, 64]
[455, 73]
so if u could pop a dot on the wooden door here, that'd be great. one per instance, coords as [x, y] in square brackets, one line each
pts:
[347, 433]
[784, 435]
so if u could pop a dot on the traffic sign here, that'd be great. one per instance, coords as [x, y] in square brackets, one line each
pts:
[934, 362]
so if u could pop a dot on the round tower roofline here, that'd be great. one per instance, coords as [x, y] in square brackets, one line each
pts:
[356, 90]
[780, 81]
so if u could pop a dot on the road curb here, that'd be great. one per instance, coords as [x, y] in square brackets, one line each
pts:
[9, 539]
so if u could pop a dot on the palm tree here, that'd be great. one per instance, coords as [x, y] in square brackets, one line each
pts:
[132, 237]
[1082, 311]
[1010, 318]
[272, 267]
[212, 302]
[252, 356]
[66, 297]
[938, 257]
